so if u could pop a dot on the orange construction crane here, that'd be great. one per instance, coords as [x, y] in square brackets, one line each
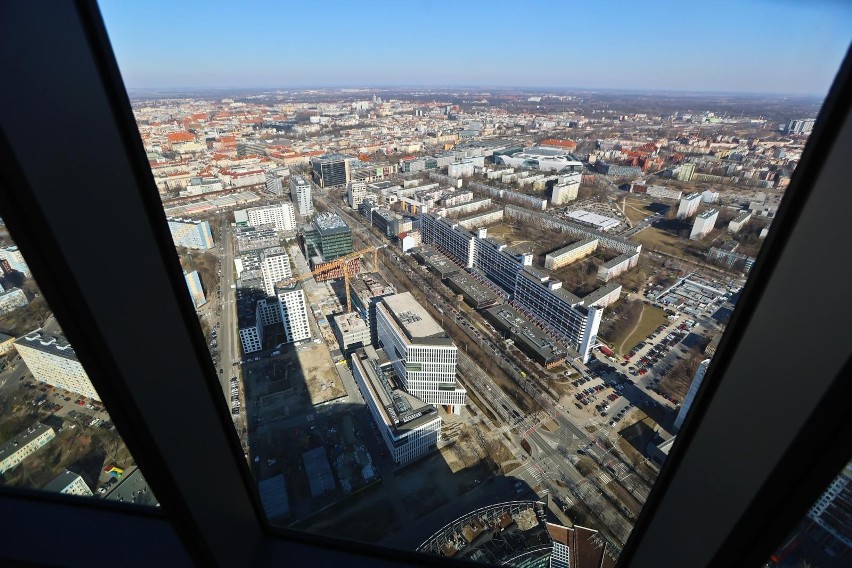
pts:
[344, 263]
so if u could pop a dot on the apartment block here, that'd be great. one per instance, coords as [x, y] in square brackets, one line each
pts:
[275, 267]
[282, 216]
[366, 291]
[704, 223]
[12, 257]
[685, 172]
[450, 238]
[688, 205]
[12, 299]
[51, 360]
[409, 427]
[191, 234]
[571, 253]
[422, 354]
[562, 311]
[300, 195]
[23, 445]
[617, 266]
[69, 483]
[566, 189]
[737, 223]
[355, 193]
[690, 394]
[500, 263]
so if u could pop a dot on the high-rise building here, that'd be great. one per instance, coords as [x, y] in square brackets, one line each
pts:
[703, 224]
[193, 283]
[422, 354]
[409, 427]
[69, 483]
[279, 216]
[51, 360]
[300, 194]
[328, 237]
[294, 313]
[566, 189]
[275, 267]
[688, 205]
[276, 181]
[15, 260]
[191, 234]
[351, 332]
[331, 170]
[800, 126]
[356, 193]
[12, 299]
[833, 513]
[690, 394]
[737, 223]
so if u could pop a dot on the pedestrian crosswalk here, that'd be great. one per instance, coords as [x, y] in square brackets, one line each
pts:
[534, 471]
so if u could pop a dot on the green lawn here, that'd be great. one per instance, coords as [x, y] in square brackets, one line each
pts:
[651, 319]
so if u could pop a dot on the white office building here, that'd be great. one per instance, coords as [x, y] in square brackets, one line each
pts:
[13, 257]
[690, 394]
[68, 483]
[51, 360]
[279, 216]
[409, 427]
[703, 224]
[300, 194]
[422, 354]
[688, 205]
[355, 193]
[275, 267]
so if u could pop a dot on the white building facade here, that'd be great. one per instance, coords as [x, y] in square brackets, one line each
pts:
[688, 205]
[51, 360]
[279, 216]
[421, 353]
[300, 194]
[275, 267]
[704, 223]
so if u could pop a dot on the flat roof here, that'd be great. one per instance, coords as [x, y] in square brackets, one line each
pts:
[22, 439]
[619, 259]
[708, 214]
[61, 481]
[329, 223]
[472, 288]
[273, 496]
[413, 318]
[692, 196]
[604, 290]
[318, 471]
[603, 222]
[572, 246]
[524, 331]
[133, 489]
[48, 343]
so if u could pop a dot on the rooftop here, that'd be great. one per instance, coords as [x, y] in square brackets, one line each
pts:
[524, 331]
[413, 318]
[329, 223]
[22, 439]
[53, 344]
[709, 214]
[133, 489]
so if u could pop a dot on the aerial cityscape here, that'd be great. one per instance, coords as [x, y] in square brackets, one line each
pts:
[466, 321]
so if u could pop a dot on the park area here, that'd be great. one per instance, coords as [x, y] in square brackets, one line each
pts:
[632, 323]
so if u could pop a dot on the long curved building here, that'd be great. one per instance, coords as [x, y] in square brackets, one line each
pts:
[541, 158]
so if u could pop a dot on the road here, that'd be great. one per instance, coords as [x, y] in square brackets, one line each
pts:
[229, 343]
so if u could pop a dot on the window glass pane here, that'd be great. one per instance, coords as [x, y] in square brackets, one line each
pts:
[55, 433]
[472, 315]
[823, 539]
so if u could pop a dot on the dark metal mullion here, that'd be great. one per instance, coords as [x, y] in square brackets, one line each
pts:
[666, 526]
[84, 239]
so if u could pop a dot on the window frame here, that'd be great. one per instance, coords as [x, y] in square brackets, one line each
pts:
[62, 53]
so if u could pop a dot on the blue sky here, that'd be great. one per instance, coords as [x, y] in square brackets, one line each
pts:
[765, 46]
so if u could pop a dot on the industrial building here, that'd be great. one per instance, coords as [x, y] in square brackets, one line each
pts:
[196, 292]
[409, 427]
[191, 234]
[366, 291]
[737, 223]
[569, 254]
[563, 312]
[617, 266]
[351, 332]
[331, 170]
[69, 483]
[704, 223]
[23, 445]
[281, 216]
[421, 352]
[525, 335]
[688, 205]
[300, 195]
[51, 360]
[599, 222]
[475, 294]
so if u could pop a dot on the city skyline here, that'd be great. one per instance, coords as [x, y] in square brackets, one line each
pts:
[478, 45]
